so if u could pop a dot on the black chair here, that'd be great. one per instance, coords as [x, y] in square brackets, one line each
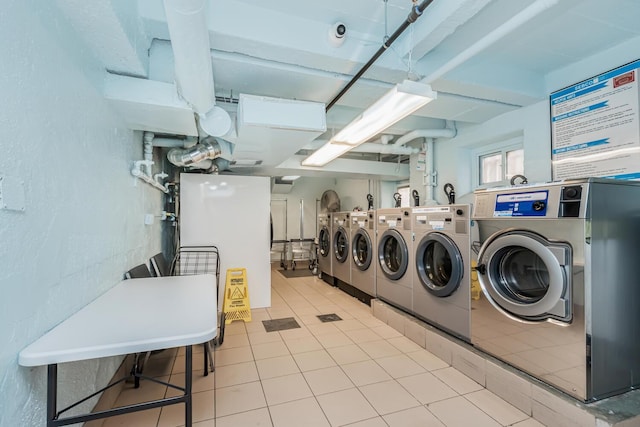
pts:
[139, 360]
[191, 260]
[138, 272]
[160, 265]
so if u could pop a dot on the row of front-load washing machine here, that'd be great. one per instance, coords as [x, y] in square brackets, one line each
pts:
[556, 263]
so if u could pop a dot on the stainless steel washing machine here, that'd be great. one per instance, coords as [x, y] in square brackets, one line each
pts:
[395, 256]
[441, 286]
[325, 253]
[363, 252]
[341, 248]
[558, 267]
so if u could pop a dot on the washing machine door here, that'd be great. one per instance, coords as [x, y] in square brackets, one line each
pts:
[324, 242]
[527, 276]
[439, 264]
[361, 250]
[393, 254]
[341, 244]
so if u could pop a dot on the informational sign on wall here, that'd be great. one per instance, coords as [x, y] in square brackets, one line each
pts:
[595, 129]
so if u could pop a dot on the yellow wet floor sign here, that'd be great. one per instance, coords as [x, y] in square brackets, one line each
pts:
[236, 296]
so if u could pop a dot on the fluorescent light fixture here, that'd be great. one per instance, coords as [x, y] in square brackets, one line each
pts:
[325, 154]
[402, 100]
[290, 177]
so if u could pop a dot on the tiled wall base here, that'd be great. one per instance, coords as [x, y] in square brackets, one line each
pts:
[545, 404]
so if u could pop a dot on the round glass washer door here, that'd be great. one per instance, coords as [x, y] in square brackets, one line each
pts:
[323, 242]
[361, 250]
[439, 264]
[524, 274]
[341, 244]
[393, 254]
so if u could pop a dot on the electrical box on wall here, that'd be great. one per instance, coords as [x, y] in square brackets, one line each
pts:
[12, 194]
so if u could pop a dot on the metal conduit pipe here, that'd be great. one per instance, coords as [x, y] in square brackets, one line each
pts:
[415, 13]
[207, 149]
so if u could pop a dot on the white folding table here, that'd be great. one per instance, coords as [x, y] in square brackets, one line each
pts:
[135, 316]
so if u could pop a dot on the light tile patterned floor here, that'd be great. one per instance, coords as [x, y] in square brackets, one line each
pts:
[357, 372]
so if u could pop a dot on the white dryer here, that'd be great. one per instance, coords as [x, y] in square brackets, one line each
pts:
[341, 249]
[325, 254]
[442, 247]
[363, 254]
[395, 256]
[558, 267]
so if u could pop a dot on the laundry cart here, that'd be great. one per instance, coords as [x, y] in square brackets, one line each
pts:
[191, 260]
[281, 247]
[301, 250]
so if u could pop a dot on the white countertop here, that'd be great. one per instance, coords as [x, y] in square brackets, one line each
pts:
[136, 315]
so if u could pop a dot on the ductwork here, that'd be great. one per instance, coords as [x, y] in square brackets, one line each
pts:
[208, 149]
[449, 131]
[187, 21]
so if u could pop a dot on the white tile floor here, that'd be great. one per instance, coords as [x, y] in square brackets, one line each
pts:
[355, 372]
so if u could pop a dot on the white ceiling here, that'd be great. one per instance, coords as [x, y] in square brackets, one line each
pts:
[281, 48]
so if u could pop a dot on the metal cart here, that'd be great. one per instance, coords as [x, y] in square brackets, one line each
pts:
[190, 260]
[280, 247]
[301, 250]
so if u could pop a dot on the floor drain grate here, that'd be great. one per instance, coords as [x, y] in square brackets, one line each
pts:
[329, 317]
[280, 324]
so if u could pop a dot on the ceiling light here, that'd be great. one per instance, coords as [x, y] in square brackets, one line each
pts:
[326, 153]
[290, 177]
[402, 100]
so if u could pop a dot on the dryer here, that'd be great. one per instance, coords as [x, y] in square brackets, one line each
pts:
[394, 254]
[363, 254]
[325, 254]
[341, 249]
[558, 271]
[441, 285]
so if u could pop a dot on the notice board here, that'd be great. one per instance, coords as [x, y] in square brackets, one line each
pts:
[595, 131]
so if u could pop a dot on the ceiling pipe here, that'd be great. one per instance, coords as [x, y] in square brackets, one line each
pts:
[415, 13]
[371, 147]
[449, 131]
[187, 22]
[518, 20]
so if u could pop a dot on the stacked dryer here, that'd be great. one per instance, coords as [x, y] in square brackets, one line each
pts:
[340, 249]
[325, 253]
[363, 255]
[394, 272]
[441, 288]
[558, 267]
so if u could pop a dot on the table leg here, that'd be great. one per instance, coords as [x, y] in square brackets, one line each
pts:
[187, 386]
[52, 394]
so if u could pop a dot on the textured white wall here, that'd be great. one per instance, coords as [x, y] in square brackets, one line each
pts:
[83, 223]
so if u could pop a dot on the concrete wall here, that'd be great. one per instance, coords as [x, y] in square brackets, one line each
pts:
[83, 223]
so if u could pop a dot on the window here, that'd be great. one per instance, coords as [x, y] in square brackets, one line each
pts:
[497, 164]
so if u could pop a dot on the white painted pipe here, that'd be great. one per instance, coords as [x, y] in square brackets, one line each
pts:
[448, 132]
[174, 142]
[187, 21]
[148, 151]
[429, 171]
[140, 174]
[517, 21]
[370, 147]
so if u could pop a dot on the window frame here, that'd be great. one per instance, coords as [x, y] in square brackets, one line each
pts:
[502, 148]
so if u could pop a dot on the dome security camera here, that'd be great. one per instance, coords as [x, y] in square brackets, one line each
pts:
[337, 34]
